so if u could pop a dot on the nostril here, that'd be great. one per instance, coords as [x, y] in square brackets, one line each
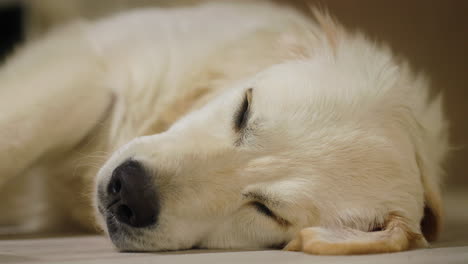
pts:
[124, 214]
[131, 196]
[114, 186]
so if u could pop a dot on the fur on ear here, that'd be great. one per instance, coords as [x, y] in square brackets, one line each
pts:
[429, 157]
[329, 26]
[395, 236]
[431, 224]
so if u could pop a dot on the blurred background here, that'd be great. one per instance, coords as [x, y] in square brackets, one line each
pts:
[433, 35]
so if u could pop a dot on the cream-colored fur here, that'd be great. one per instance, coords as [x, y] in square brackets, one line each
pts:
[43, 15]
[342, 140]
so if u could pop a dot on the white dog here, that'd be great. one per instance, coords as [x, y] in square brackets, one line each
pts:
[241, 125]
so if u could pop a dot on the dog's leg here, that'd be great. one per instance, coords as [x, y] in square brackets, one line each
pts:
[51, 96]
[394, 236]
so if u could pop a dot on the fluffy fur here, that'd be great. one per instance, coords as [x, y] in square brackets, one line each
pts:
[342, 140]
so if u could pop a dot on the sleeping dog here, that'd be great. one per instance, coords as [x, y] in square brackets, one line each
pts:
[224, 125]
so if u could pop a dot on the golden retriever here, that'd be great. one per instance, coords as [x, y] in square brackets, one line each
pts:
[224, 125]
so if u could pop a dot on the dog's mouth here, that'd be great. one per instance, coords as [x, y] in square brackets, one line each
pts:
[112, 226]
[123, 237]
[117, 232]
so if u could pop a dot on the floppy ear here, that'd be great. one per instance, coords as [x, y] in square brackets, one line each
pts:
[429, 158]
[431, 224]
[394, 236]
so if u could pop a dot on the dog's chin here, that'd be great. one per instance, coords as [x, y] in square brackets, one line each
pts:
[125, 241]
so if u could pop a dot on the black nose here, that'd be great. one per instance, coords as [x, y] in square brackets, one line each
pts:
[132, 195]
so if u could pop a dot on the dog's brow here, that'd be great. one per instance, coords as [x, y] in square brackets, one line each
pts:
[259, 197]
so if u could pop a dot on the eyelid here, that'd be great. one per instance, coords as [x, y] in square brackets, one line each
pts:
[258, 199]
[242, 114]
[262, 208]
[248, 95]
[265, 210]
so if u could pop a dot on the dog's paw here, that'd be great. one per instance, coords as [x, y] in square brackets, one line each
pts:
[321, 241]
[346, 241]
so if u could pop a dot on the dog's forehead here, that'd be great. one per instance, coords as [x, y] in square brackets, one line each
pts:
[295, 83]
[285, 78]
[285, 93]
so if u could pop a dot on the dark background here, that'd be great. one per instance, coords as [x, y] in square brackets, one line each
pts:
[10, 28]
[433, 35]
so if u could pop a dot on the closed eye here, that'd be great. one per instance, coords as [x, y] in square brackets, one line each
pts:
[263, 209]
[242, 114]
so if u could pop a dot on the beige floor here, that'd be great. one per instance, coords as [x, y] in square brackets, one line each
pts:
[452, 248]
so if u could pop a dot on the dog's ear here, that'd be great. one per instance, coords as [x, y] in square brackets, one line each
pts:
[394, 236]
[431, 224]
[431, 170]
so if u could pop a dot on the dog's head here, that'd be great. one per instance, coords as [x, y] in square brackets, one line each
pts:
[300, 144]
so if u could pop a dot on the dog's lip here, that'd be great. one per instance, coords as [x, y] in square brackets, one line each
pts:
[112, 227]
[100, 209]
